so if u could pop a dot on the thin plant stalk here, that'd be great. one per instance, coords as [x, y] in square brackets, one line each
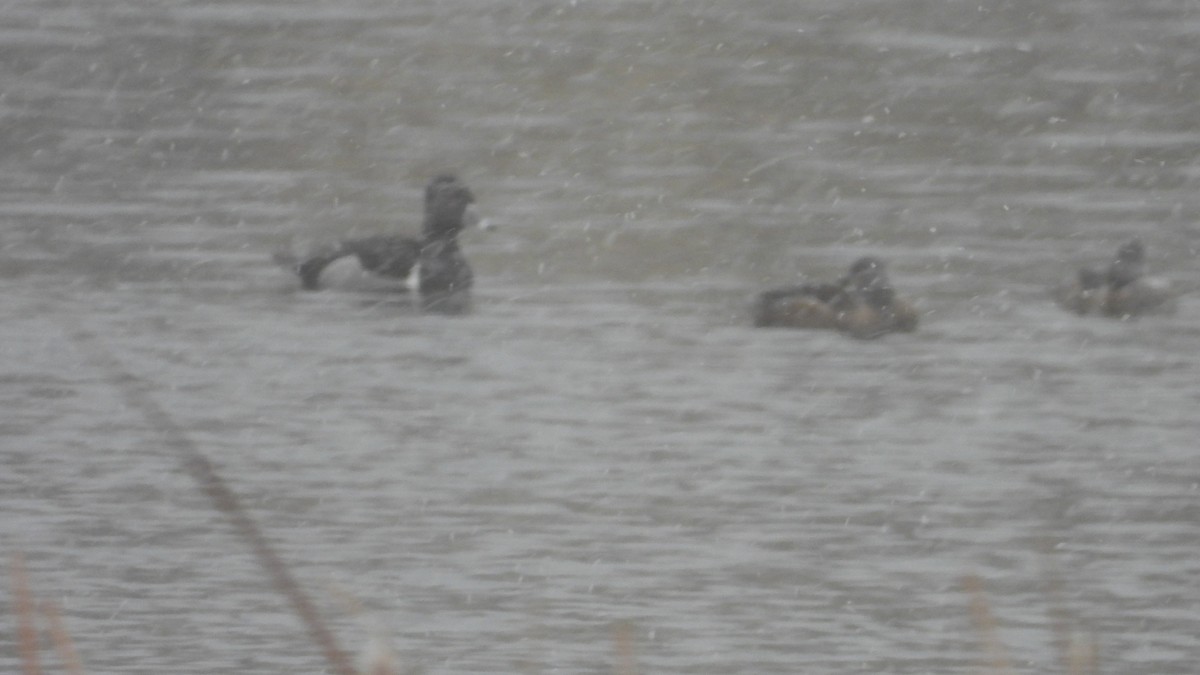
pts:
[221, 496]
[985, 626]
[27, 637]
[623, 642]
[62, 639]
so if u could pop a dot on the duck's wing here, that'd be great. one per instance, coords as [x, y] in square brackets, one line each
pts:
[1082, 293]
[867, 322]
[803, 306]
[387, 256]
[821, 292]
[309, 266]
[1073, 297]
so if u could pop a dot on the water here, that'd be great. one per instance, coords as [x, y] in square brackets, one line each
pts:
[604, 441]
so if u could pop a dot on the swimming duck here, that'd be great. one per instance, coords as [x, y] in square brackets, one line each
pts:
[443, 277]
[1122, 290]
[862, 304]
[1085, 293]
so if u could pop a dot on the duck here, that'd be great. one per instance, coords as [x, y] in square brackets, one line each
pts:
[862, 304]
[433, 263]
[1123, 290]
[1085, 293]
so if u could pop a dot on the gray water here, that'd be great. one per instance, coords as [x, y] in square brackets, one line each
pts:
[604, 441]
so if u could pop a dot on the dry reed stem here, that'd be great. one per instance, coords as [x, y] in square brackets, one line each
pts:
[985, 625]
[1060, 618]
[221, 496]
[1082, 657]
[1075, 647]
[27, 636]
[378, 657]
[623, 643]
[62, 639]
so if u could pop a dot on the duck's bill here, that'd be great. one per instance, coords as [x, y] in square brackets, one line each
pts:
[472, 218]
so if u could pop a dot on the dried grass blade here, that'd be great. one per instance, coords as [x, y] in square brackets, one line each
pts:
[985, 625]
[62, 639]
[27, 637]
[623, 642]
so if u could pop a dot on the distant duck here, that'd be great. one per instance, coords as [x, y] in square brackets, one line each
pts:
[1121, 291]
[1086, 293]
[443, 277]
[862, 304]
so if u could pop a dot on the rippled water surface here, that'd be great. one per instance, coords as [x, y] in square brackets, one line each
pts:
[604, 441]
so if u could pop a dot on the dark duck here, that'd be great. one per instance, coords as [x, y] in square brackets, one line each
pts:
[862, 304]
[443, 276]
[1121, 291]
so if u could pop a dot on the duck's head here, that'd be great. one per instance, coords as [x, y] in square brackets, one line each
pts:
[868, 278]
[446, 202]
[1129, 264]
